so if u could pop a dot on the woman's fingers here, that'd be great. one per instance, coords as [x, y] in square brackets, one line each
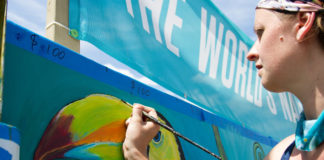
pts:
[128, 121]
[137, 113]
[150, 111]
[140, 131]
[137, 117]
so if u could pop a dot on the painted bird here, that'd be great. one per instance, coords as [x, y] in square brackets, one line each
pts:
[94, 128]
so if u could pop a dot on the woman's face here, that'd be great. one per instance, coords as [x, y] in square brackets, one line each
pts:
[275, 52]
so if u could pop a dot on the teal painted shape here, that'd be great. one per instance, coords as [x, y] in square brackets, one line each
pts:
[81, 152]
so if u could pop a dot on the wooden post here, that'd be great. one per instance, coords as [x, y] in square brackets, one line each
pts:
[57, 22]
[3, 18]
[3, 15]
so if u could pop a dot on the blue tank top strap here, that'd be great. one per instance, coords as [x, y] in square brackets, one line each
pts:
[288, 152]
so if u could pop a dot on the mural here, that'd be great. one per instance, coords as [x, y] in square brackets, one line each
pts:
[69, 107]
[94, 128]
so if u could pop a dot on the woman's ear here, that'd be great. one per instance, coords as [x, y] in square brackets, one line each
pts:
[305, 23]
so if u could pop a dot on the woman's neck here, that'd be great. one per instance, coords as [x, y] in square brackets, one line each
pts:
[313, 106]
[310, 89]
[312, 98]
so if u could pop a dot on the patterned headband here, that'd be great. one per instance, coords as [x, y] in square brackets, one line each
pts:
[292, 5]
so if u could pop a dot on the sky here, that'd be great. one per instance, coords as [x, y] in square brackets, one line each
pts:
[32, 15]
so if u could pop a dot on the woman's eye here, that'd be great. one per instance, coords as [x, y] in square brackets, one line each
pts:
[259, 33]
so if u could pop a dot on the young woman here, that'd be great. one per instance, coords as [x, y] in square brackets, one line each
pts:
[289, 56]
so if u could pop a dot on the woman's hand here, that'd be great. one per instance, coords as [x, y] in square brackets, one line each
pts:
[139, 133]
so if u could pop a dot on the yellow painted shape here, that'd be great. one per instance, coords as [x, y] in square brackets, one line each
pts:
[93, 112]
[166, 148]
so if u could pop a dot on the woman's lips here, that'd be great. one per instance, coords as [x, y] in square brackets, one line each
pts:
[258, 66]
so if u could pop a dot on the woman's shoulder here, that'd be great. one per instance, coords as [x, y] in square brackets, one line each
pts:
[278, 150]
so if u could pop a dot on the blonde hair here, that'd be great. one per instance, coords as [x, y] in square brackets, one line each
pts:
[319, 27]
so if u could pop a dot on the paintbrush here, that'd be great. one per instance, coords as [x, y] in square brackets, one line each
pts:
[179, 135]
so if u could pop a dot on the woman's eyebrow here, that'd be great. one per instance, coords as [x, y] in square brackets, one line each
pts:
[256, 27]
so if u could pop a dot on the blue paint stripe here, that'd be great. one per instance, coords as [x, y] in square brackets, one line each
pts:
[9, 132]
[57, 53]
[4, 154]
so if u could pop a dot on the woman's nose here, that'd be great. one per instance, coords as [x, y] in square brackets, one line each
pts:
[253, 54]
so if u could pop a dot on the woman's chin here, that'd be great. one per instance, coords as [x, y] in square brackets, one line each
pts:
[271, 86]
[274, 89]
